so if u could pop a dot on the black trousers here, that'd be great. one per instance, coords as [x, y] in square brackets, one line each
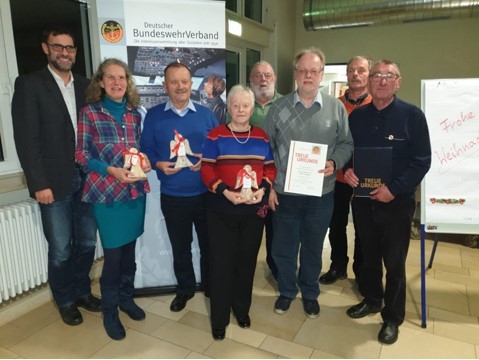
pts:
[234, 246]
[385, 234]
[268, 227]
[180, 214]
[337, 231]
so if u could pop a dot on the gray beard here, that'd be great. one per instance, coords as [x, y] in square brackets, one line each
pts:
[263, 93]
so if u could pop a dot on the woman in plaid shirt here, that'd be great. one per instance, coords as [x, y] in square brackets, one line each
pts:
[109, 126]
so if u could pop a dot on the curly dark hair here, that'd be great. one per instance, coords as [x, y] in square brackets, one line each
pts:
[95, 92]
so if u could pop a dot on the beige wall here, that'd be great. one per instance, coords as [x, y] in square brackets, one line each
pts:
[279, 14]
[427, 50]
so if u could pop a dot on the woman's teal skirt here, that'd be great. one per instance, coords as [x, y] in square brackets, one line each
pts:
[120, 222]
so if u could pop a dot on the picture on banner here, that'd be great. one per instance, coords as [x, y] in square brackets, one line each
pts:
[148, 64]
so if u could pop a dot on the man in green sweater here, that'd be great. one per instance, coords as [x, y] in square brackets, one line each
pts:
[263, 83]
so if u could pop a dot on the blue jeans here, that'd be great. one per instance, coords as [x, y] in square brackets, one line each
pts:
[300, 225]
[70, 229]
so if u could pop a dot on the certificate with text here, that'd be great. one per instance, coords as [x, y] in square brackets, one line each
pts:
[304, 163]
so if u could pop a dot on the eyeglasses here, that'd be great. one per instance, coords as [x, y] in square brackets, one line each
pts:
[115, 78]
[59, 48]
[313, 72]
[259, 75]
[389, 77]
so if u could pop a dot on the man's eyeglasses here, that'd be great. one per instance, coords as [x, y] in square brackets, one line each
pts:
[259, 75]
[59, 48]
[389, 77]
[313, 72]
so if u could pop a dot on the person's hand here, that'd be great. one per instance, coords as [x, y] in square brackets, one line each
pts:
[167, 167]
[197, 166]
[382, 194]
[329, 169]
[234, 197]
[351, 178]
[273, 199]
[145, 163]
[257, 196]
[44, 196]
[123, 175]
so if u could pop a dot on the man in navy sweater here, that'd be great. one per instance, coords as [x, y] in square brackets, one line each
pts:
[384, 219]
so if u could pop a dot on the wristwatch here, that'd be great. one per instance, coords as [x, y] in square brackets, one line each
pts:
[334, 163]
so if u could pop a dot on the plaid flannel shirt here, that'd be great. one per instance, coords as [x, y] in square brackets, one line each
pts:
[101, 137]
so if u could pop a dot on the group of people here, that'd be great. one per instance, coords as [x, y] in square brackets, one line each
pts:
[224, 177]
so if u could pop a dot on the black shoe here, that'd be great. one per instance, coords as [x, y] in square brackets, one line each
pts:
[281, 306]
[311, 308]
[89, 303]
[363, 309]
[70, 315]
[332, 276]
[179, 302]
[388, 333]
[243, 321]
[218, 334]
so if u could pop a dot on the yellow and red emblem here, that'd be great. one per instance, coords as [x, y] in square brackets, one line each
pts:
[112, 31]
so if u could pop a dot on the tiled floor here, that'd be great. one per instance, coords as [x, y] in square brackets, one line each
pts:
[452, 331]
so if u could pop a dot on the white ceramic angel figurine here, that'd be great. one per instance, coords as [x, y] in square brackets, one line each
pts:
[133, 161]
[180, 147]
[246, 179]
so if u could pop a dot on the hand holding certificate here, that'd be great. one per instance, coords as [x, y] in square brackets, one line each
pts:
[303, 174]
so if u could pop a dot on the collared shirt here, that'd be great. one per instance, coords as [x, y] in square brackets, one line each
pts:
[68, 93]
[318, 99]
[182, 112]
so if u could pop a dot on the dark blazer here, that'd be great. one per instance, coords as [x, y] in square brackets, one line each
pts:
[43, 131]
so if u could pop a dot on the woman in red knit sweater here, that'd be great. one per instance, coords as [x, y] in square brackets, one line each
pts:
[238, 169]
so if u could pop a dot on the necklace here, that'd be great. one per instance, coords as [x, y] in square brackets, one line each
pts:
[241, 142]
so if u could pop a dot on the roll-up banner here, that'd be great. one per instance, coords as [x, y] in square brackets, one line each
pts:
[148, 35]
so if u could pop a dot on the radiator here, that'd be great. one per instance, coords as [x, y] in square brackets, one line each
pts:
[23, 249]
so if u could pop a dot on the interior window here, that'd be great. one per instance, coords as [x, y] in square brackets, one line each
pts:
[29, 18]
[232, 69]
[253, 10]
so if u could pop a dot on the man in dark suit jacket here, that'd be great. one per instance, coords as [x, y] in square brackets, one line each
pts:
[44, 111]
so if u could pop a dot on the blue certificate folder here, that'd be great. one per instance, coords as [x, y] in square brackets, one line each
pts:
[373, 167]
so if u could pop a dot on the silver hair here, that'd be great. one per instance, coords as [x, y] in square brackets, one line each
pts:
[239, 89]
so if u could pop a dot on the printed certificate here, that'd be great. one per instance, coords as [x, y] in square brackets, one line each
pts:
[304, 162]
